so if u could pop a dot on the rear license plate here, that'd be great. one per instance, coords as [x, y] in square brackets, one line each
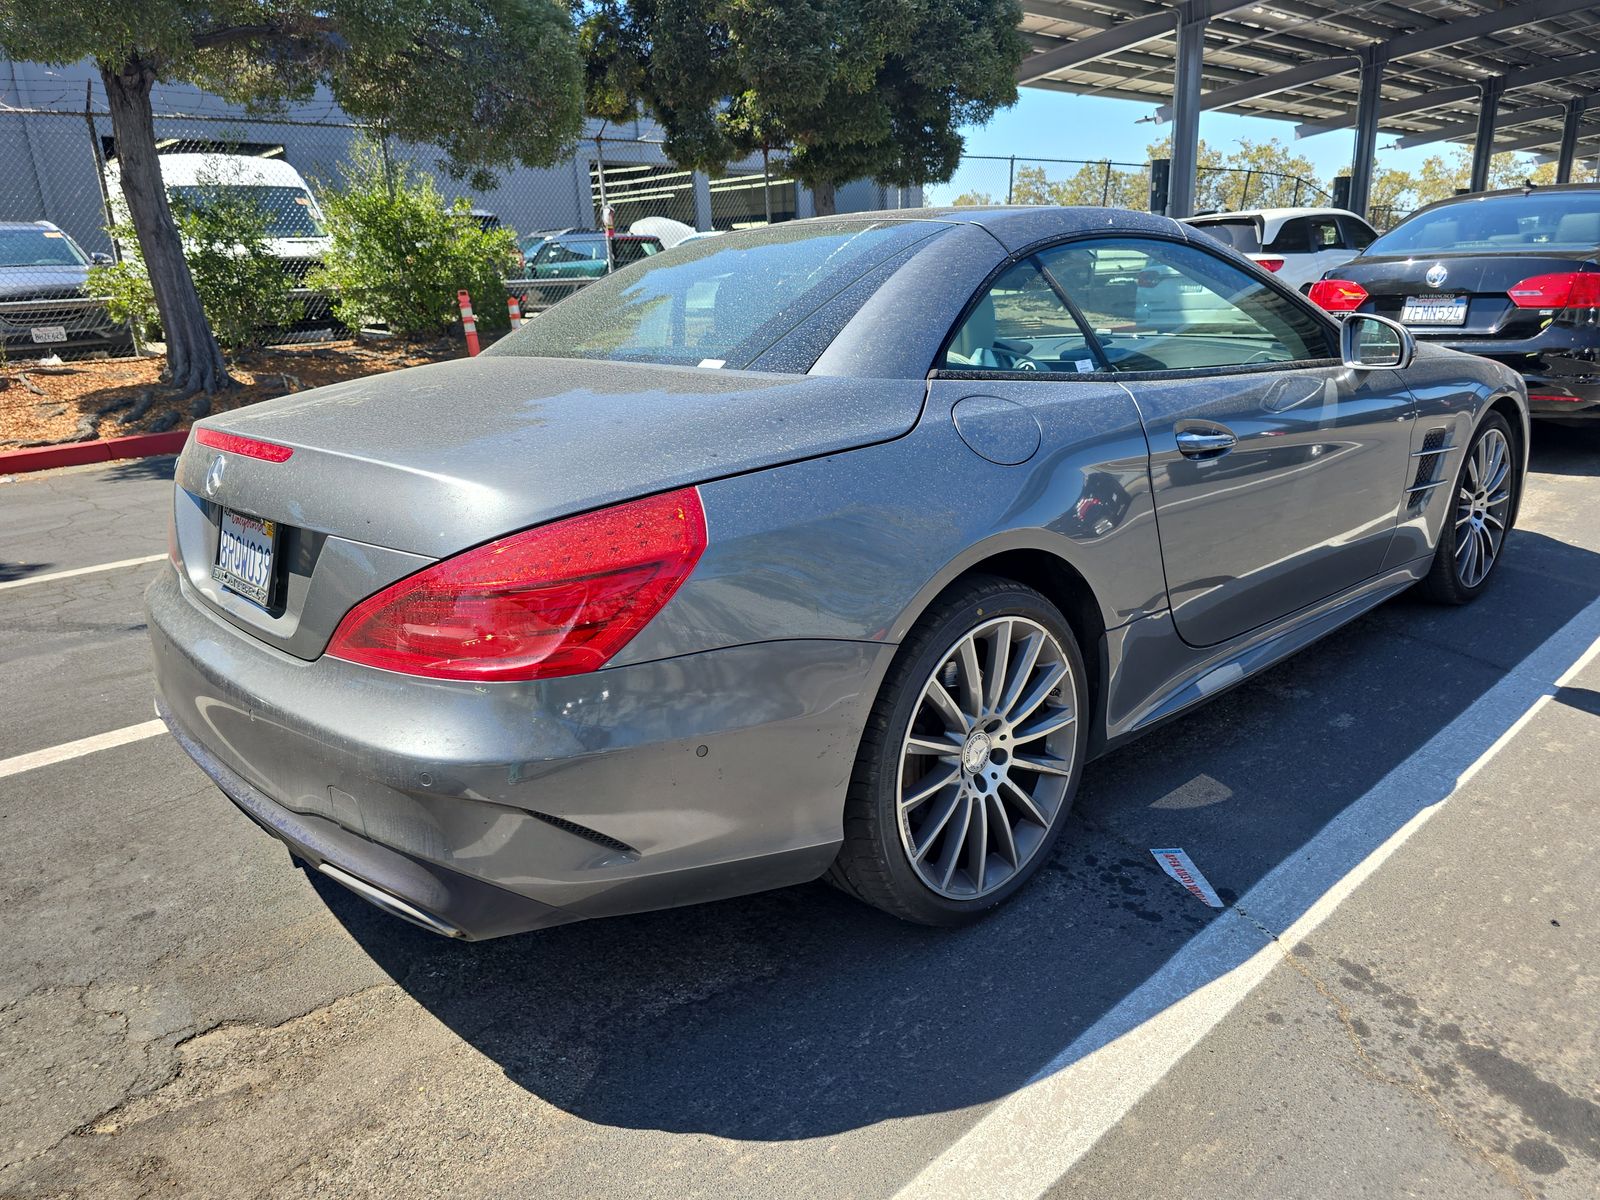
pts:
[49, 333]
[1434, 310]
[244, 555]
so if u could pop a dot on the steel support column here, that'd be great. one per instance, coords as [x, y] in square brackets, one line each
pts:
[1489, 93]
[1373, 61]
[1186, 87]
[1569, 139]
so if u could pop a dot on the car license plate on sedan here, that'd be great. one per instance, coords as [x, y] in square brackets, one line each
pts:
[244, 555]
[49, 333]
[1434, 310]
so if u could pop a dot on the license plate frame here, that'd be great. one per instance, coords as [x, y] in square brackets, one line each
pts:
[247, 556]
[1443, 311]
[48, 335]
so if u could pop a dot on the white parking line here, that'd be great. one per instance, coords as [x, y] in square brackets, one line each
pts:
[1024, 1144]
[54, 575]
[100, 741]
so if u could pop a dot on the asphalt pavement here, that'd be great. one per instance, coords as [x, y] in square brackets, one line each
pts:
[1399, 997]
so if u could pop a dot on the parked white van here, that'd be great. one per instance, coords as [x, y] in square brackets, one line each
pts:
[295, 227]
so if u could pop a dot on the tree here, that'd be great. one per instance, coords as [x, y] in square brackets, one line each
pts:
[491, 81]
[399, 252]
[854, 88]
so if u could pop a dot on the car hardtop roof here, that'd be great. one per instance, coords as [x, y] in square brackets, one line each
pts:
[49, 225]
[1523, 190]
[1271, 214]
[1017, 225]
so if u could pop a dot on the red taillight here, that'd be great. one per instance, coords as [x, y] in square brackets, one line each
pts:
[1564, 289]
[1552, 396]
[1270, 264]
[557, 600]
[1338, 295]
[249, 447]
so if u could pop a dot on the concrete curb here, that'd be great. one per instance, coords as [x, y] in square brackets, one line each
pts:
[73, 454]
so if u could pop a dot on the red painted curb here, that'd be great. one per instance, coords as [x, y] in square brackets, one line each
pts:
[73, 454]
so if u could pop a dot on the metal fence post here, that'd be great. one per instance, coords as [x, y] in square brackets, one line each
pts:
[99, 168]
[1011, 180]
[1244, 192]
[605, 208]
[1105, 186]
[388, 163]
[767, 184]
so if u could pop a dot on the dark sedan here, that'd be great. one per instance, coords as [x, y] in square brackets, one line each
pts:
[44, 298]
[1512, 275]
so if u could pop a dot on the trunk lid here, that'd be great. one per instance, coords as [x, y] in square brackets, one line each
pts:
[430, 461]
[1483, 278]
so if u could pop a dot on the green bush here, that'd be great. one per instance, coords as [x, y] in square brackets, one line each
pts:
[242, 285]
[400, 253]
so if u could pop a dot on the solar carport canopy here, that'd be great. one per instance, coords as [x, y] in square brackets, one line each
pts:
[1498, 74]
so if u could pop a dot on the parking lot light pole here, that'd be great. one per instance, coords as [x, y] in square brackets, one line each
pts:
[1489, 93]
[1186, 84]
[1374, 59]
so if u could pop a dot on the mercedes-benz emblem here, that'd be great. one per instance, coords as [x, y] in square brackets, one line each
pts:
[1436, 275]
[214, 475]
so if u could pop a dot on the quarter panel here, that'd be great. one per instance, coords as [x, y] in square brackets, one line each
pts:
[855, 545]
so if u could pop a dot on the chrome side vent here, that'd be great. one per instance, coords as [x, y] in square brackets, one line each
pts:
[583, 831]
[1431, 466]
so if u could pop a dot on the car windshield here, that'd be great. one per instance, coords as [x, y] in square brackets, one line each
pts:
[715, 302]
[1242, 234]
[1532, 220]
[38, 248]
[288, 210]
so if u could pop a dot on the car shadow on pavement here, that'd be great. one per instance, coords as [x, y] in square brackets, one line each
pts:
[1566, 449]
[162, 467]
[801, 1013]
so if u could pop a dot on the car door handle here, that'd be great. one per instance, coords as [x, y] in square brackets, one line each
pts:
[1205, 443]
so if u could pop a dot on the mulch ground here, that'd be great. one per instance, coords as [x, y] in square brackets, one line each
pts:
[102, 398]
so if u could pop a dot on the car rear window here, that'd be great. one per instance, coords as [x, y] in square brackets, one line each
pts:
[37, 248]
[1243, 235]
[715, 302]
[1531, 220]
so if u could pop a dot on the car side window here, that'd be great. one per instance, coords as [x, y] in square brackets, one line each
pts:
[1358, 234]
[570, 252]
[1019, 324]
[1325, 234]
[1155, 305]
[1293, 237]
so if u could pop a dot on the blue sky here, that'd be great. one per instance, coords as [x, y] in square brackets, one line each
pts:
[1057, 125]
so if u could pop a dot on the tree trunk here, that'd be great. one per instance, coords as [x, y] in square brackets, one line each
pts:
[822, 199]
[194, 360]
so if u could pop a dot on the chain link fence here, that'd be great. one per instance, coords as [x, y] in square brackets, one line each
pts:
[250, 195]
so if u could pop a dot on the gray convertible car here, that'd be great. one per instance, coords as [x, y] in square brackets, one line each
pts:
[837, 547]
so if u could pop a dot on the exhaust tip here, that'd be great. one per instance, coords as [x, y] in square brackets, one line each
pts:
[390, 903]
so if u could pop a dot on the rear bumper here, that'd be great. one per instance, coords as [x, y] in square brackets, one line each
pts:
[1559, 367]
[495, 809]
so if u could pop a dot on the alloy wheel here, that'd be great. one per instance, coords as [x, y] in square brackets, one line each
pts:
[1483, 505]
[987, 758]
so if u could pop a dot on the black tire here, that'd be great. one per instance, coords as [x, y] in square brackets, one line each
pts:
[1443, 583]
[873, 865]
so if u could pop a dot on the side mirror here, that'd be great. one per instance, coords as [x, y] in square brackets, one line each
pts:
[1373, 343]
[101, 259]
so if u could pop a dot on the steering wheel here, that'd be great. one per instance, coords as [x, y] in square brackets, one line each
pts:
[1010, 360]
[1261, 356]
